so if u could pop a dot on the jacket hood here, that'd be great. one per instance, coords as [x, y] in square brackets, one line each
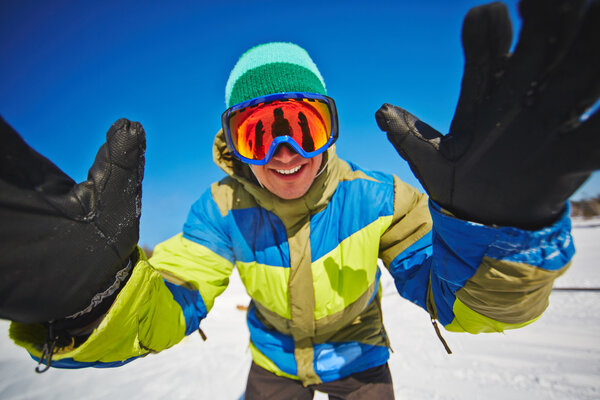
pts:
[313, 201]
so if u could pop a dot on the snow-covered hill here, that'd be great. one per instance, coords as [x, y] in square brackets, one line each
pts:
[558, 357]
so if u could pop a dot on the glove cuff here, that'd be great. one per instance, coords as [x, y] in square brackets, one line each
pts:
[77, 324]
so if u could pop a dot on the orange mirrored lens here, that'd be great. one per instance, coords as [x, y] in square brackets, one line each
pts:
[307, 121]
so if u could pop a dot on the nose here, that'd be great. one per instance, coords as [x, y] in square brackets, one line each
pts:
[285, 154]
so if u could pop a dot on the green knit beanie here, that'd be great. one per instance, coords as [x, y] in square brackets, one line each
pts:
[273, 68]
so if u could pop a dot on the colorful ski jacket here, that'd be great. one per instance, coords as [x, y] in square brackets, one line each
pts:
[311, 268]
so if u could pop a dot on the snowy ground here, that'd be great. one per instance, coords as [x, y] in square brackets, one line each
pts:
[558, 357]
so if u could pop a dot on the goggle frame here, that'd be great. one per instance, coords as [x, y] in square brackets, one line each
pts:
[285, 139]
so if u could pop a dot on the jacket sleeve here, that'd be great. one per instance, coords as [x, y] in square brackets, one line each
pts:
[472, 277]
[165, 298]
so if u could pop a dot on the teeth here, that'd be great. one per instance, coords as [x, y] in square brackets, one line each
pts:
[289, 171]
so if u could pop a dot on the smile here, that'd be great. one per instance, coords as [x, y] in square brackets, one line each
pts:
[289, 171]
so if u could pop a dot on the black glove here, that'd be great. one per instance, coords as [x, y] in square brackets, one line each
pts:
[517, 147]
[64, 247]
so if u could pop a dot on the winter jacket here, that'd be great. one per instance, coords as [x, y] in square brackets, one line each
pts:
[311, 268]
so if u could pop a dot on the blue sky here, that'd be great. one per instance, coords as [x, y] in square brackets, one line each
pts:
[69, 69]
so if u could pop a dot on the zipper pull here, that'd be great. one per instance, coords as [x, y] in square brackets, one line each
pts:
[47, 350]
[439, 334]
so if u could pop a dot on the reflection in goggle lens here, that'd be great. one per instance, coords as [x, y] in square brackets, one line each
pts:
[306, 121]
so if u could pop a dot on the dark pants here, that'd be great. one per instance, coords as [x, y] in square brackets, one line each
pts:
[372, 384]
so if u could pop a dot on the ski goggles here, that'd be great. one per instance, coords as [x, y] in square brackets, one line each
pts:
[254, 129]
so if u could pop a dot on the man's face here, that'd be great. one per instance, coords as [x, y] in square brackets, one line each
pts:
[288, 174]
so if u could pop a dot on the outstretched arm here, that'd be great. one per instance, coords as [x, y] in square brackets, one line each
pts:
[74, 284]
[499, 181]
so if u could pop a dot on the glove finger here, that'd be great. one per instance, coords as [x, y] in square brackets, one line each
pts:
[486, 34]
[486, 38]
[24, 169]
[111, 196]
[418, 144]
[549, 27]
[574, 85]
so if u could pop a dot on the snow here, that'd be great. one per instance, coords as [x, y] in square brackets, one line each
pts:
[558, 357]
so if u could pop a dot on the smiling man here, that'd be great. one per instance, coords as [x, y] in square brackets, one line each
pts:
[278, 113]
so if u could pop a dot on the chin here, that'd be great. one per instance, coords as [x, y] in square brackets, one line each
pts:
[292, 194]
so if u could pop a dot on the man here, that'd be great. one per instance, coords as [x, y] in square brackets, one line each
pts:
[306, 229]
